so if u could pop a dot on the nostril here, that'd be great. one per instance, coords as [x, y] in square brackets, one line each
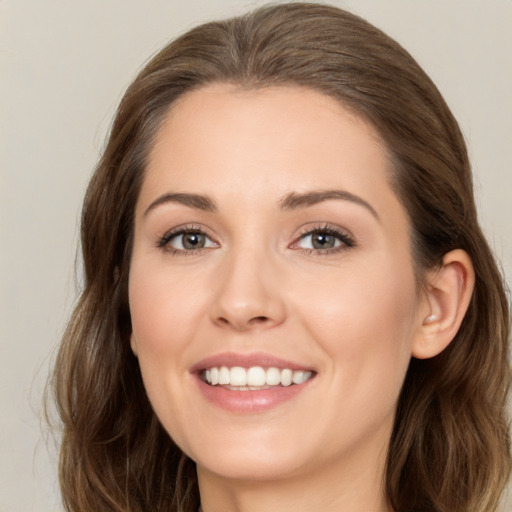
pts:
[258, 319]
[242, 324]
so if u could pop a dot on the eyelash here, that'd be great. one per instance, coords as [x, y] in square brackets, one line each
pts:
[347, 241]
[163, 242]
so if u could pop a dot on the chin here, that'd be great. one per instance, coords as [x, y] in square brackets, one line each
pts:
[255, 457]
[259, 467]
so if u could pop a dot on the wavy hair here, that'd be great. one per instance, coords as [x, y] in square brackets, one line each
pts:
[449, 450]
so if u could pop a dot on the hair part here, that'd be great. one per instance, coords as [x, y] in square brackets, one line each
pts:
[449, 450]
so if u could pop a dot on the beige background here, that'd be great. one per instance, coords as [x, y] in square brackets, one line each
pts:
[63, 67]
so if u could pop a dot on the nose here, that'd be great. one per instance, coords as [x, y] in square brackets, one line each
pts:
[249, 294]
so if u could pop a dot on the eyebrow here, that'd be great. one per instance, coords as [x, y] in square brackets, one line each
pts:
[292, 201]
[199, 202]
[295, 201]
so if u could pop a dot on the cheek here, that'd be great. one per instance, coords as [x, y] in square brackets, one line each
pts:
[164, 320]
[163, 310]
[365, 322]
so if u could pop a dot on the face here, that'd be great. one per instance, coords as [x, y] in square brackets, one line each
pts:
[272, 289]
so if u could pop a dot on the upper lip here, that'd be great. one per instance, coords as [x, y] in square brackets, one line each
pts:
[231, 359]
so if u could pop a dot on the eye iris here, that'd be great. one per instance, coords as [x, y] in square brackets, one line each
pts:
[323, 241]
[193, 240]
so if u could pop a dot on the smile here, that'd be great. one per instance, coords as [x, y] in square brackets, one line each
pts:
[238, 378]
[251, 383]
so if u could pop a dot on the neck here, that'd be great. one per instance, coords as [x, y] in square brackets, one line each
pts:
[360, 489]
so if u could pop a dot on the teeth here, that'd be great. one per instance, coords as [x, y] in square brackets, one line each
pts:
[273, 377]
[298, 377]
[255, 377]
[237, 376]
[224, 376]
[286, 377]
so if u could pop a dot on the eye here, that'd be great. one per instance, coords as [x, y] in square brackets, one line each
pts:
[319, 240]
[324, 239]
[186, 240]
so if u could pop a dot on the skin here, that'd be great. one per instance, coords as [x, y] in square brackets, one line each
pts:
[352, 313]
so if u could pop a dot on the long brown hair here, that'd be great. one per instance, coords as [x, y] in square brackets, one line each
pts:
[449, 450]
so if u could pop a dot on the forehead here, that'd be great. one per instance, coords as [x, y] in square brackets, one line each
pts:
[293, 134]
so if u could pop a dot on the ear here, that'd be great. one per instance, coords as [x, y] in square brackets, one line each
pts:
[448, 294]
[133, 344]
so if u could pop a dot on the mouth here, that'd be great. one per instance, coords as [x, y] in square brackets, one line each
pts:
[254, 378]
[251, 383]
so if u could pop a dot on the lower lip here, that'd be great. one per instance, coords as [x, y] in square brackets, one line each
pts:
[250, 401]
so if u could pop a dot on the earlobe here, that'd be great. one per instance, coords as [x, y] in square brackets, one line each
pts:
[448, 294]
[133, 344]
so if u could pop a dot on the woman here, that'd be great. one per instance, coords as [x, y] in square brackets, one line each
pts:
[288, 300]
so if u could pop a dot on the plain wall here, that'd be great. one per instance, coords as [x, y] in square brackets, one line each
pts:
[63, 68]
